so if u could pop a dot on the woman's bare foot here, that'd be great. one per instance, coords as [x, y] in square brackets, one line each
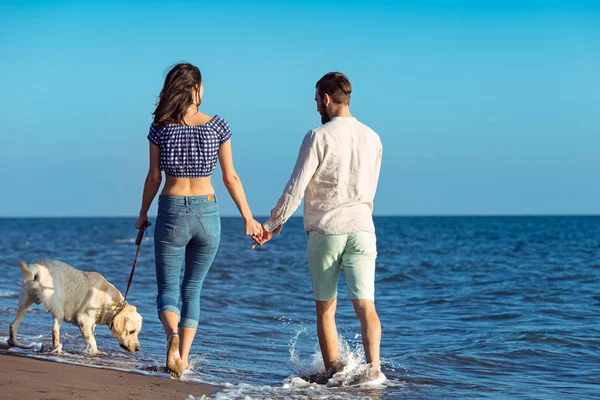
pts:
[174, 361]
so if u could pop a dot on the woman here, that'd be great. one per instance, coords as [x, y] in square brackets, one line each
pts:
[185, 144]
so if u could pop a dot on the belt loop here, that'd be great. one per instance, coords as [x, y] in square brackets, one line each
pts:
[186, 201]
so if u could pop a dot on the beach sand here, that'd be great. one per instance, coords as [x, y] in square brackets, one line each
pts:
[28, 378]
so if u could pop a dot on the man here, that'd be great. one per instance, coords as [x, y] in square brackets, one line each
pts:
[337, 172]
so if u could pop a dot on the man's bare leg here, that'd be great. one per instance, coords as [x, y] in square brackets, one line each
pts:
[327, 331]
[370, 328]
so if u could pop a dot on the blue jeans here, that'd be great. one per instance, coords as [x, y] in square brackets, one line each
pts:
[188, 231]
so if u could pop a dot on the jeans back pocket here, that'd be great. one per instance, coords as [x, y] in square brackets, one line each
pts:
[210, 223]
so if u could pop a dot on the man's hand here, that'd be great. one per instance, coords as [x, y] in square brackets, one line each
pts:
[266, 236]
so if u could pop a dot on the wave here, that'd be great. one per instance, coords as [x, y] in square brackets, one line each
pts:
[132, 240]
[293, 387]
[9, 294]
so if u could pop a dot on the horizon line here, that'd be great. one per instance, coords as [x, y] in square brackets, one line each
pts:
[300, 216]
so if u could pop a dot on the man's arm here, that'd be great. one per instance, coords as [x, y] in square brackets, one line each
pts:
[306, 166]
[377, 170]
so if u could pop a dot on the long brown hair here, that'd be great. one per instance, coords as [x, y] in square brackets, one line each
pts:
[176, 94]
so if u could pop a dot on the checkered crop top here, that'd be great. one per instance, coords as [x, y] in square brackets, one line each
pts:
[190, 151]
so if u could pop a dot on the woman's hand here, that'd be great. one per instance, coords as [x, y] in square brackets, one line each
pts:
[141, 220]
[253, 228]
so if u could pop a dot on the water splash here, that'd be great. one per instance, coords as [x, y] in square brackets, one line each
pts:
[295, 387]
[351, 356]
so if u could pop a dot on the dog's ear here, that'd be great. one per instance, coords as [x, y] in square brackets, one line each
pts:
[130, 308]
[118, 323]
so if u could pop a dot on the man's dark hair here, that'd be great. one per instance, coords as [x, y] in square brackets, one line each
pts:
[337, 86]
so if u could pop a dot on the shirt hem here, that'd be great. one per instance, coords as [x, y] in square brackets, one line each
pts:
[338, 232]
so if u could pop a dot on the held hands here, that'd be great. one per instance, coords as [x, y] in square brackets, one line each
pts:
[257, 232]
[266, 236]
[253, 228]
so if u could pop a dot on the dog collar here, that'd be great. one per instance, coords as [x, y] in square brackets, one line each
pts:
[120, 307]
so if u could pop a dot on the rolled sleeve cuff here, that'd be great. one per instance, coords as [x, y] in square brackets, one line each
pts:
[270, 225]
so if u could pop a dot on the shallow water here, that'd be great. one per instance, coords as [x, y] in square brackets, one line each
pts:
[498, 307]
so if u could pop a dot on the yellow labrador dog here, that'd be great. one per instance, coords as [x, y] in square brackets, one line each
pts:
[80, 298]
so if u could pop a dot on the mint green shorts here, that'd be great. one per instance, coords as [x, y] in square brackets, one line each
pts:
[356, 252]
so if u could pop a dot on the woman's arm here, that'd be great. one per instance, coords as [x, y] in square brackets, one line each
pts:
[236, 190]
[151, 186]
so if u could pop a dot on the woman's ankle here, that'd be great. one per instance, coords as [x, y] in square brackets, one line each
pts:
[185, 357]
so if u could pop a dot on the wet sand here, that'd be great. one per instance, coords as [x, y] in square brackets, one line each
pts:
[29, 378]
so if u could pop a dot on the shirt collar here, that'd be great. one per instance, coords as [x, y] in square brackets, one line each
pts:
[346, 118]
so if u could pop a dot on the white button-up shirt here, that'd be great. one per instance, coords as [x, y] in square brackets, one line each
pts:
[336, 172]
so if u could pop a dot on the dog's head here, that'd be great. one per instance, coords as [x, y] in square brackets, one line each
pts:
[125, 328]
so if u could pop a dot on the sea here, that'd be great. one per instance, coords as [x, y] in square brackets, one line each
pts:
[471, 307]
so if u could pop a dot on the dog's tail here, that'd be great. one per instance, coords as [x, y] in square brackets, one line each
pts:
[27, 274]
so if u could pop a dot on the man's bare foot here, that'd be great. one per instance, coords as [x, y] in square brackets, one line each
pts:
[323, 377]
[370, 375]
[336, 367]
[174, 361]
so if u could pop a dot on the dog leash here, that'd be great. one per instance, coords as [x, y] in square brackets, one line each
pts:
[138, 242]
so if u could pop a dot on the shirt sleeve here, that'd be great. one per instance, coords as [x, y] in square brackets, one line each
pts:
[306, 166]
[154, 135]
[222, 128]
[377, 170]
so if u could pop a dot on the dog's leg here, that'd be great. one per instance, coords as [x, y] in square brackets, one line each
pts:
[56, 346]
[90, 340]
[24, 304]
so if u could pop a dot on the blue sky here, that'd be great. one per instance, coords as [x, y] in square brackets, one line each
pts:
[483, 107]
